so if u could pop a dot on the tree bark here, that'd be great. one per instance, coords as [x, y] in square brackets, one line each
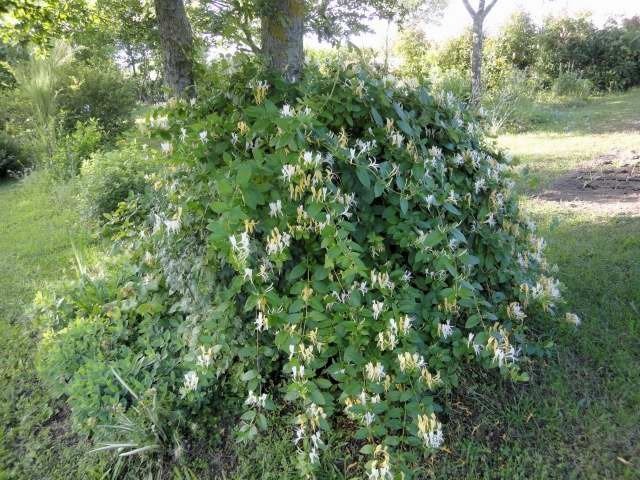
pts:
[476, 59]
[478, 17]
[176, 40]
[282, 32]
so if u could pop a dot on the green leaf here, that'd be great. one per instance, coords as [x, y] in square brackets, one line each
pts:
[404, 205]
[472, 321]
[225, 188]
[367, 449]
[377, 117]
[363, 175]
[244, 174]
[250, 375]
[297, 271]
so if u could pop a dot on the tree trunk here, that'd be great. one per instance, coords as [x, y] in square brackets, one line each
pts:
[282, 32]
[476, 60]
[176, 40]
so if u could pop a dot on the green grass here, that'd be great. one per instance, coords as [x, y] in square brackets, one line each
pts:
[572, 135]
[578, 417]
[37, 229]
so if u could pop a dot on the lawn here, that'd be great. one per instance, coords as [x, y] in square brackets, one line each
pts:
[38, 235]
[578, 417]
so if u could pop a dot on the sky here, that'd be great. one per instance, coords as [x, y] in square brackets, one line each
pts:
[456, 18]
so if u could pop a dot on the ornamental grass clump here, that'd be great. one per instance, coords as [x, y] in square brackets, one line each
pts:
[340, 249]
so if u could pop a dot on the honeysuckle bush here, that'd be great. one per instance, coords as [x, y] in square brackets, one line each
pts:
[337, 251]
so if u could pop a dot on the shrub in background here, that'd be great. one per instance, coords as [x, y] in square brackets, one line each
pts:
[99, 92]
[13, 158]
[74, 148]
[108, 178]
[341, 249]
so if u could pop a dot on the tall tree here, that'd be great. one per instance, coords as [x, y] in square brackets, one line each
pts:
[275, 28]
[176, 39]
[478, 16]
[282, 34]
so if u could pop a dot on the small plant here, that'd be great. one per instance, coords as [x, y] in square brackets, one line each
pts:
[137, 433]
[38, 79]
[506, 102]
[570, 84]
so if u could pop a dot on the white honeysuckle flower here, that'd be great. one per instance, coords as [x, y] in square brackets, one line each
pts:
[204, 357]
[262, 322]
[430, 431]
[407, 276]
[248, 274]
[377, 308]
[375, 373]
[515, 311]
[172, 226]
[573, 319]
[287, 110]
[191, 381]
[256, 401]
[491, 221]
[183, 134]
[297, 372]
[287, 172]
[368, 418]
[406, 324]
[313, 456]
[275, 208]
[203, 136]
[166, 148]
[446, 330]
[299, 435]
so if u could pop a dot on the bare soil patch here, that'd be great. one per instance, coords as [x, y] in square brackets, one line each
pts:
[609, 184]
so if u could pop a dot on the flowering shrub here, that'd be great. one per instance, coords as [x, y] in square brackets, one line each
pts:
[344, 247]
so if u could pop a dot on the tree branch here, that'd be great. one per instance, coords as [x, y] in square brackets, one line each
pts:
[249, 39]
[488, 9]
[471, 11]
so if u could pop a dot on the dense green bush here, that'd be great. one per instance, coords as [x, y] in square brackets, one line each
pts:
[98, 92]
[609, 57]
[517, 42]
[108, 178]
[13, 158]
[338, 251]
[74, 148]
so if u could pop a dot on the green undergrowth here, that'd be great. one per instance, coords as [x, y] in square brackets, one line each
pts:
[38, 234]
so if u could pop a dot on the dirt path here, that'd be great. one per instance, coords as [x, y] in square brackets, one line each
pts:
[608, 185]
